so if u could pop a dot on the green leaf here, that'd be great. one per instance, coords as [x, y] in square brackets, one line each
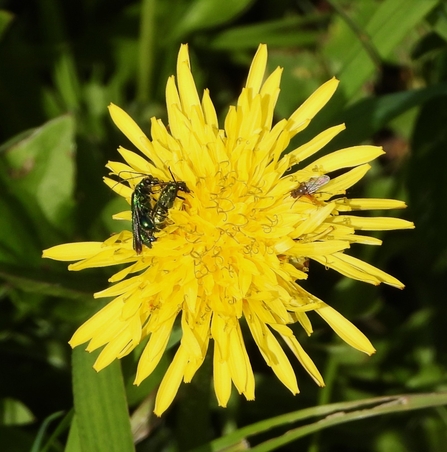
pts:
[40, 173]
[204, 14]
[280, 33]
[73, 442]
[64, 285]
[17, 244]
[389, 25]
[100, 405]
[369, 115]
[14, 412]
[67, 82]
[5, 19]
[361, 40]
[440, 21]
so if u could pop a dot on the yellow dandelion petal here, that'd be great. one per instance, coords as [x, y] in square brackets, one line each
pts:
[313, 104]
[363, 239]
[314, 145]
[231, 348]
[73, 251]
[171, 382]
[381, 276]
[221, 228]
[340, 184]
[222, 379]
[269, 95]
[118, 289]
[122, 344]
[126, 215]
[96, 323]
[318, 248]
[304, 359]
[346, 330]
[118, 188]
[272, 352]
[104, 258]
[319, 215]
[357, 269]
[190, 341]
[269, 141]
[137, 164]
[173, 106]
[195, 362]
[118, 167]
[250, 121]
[256, 71]
[153, 351]
[162, 141]
[239, 364]
[130, 128]
[209, 112]
[347, 205]
[344, 158]
[373, 223]
[186, 86]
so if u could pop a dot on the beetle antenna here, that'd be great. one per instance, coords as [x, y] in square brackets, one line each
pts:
[173, 178]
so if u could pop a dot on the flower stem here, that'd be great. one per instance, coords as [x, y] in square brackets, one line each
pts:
[146, 50]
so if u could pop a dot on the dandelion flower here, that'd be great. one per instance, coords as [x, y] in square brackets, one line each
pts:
[232, 249]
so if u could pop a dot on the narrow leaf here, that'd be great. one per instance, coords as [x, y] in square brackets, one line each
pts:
[100, 405]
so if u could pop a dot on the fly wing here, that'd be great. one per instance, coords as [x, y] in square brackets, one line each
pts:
[137, 243]
[315, 183]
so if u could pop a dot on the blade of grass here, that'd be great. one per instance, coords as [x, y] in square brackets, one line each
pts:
[100, 405]
[336, 413]
[396, 405]
[37, 446]
[63, 425]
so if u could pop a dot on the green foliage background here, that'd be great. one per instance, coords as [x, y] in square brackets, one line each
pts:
[62, 62]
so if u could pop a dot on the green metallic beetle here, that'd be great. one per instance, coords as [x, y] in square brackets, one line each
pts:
[148, 215]
[166, 200]
[143, 226]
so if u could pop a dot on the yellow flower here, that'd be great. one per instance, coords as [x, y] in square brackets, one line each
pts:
[233, 248]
